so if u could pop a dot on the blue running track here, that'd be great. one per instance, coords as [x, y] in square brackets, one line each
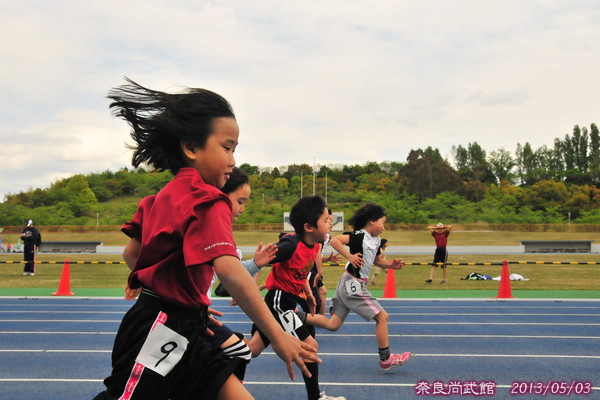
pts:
[59, 349]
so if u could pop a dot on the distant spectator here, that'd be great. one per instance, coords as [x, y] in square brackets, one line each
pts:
[440, 234]
[32, 239]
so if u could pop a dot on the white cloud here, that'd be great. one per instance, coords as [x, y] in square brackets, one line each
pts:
[338, 81]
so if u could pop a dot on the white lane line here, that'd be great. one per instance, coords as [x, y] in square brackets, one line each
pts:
[465, 336]
[348, 335]
[52, 351]
[56, 333]
[61, 320]
[454, 323]
[419, 355]
[20, 312]
[499, 314]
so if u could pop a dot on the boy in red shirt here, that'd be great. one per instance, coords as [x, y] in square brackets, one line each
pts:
[288, 281]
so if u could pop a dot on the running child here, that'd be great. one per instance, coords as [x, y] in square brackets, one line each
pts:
[233, 343]
[296, 255]
[179, 237]
[351, 293]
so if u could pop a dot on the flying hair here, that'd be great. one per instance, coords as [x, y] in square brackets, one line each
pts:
[160, 122]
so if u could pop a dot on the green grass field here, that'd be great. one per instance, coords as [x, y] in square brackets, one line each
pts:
[542, 277]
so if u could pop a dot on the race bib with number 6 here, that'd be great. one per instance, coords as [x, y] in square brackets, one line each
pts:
[353, 287]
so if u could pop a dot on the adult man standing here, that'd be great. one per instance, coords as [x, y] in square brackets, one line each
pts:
[440, 233]
[32, 239]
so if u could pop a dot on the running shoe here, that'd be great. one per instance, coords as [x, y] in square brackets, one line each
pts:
[394, 360]
[428, 280]
[442, 282]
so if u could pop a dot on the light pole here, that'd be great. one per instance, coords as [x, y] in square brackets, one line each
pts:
[314, 176]
[325, 186]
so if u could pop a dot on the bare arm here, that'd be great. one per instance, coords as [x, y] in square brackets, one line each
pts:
[396, 263]
[339, 244]
[310, 299]
[130, 255]
[319, 264]
[242, 288]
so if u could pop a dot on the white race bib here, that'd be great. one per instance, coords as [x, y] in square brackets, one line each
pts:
[353, 287]
[162, 350]
[290, 321]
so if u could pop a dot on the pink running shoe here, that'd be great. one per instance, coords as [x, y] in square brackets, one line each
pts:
[394, 360]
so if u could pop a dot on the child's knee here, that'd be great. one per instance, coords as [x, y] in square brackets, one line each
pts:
[382, 317]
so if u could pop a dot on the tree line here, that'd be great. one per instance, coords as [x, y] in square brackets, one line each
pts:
[545, 185]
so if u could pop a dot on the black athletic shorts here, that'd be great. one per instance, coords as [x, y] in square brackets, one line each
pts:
[440, 256]
[160, 354]
[282, 305]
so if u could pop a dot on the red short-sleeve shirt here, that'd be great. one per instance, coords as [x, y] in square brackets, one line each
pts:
[441, 238]
[181, 230]
[292, 265]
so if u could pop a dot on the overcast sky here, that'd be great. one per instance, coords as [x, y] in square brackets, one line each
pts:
[329, 81]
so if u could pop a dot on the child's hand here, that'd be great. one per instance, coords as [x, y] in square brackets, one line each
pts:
[312, 304]
[212, 312]
[132, 294]
[291, 350]
[318, 276]
[264, 254]
[213, 321]
[356, 260]
[397, 263]
[334, 258]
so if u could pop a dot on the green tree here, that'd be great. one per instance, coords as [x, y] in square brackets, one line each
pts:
[250, 169]
[426, 177]
[525, 164]
[501, 164]
[594, 155]
[81, 197]
[546, 194]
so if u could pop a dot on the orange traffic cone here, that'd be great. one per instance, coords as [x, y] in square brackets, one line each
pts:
[64, 287]
[504, 288]
[389, 291]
